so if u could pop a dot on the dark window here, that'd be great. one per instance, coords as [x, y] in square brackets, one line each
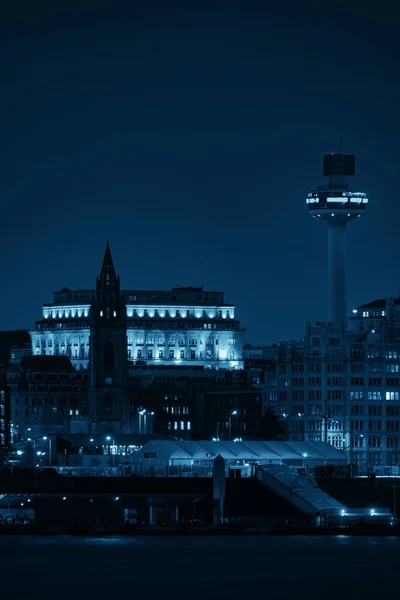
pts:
[108, 404]
[108, 354]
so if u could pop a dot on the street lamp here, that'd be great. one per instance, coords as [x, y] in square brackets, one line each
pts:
[33, 442]
[142, 413]
[233, 414]
[305, 456]
[110, 439]
[45, 438]
[351, 446]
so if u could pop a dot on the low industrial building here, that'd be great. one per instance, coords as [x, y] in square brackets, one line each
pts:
[195, 458]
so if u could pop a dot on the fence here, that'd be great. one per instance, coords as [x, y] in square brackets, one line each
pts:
[143, 471]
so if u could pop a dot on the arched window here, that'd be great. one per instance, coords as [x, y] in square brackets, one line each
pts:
[108, 354]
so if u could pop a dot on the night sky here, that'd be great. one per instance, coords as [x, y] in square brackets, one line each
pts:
[189, 135]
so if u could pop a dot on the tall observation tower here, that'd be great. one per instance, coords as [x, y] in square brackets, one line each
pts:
[337, 203]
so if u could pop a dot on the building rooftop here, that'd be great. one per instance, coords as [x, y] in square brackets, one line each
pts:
[374, 304]
[47, 363]
[380, 303]
[248, 450]
[9, 339]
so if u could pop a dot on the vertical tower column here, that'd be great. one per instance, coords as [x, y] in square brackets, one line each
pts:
[337, 272]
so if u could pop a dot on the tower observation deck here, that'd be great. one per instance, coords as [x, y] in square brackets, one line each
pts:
[337, 203]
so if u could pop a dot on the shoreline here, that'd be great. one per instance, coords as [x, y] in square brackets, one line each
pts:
[149, 531]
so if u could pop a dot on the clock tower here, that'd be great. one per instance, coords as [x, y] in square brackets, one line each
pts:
[108, 370]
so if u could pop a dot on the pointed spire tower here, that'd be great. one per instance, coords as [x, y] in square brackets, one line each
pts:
[108, 366]
[107, 287]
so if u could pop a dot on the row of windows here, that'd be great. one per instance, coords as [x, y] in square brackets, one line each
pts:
[177, 410]
[340, 367]
[176, 313]
[150, 341]
[359, 381]
[33, 400]
[333, 395]
[50, 401]
[179, 425]
[182, 325]
[339, 410]
[66, 313]
[181, 354]
[300, 395]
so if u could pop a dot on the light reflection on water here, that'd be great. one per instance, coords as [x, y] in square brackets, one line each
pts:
[107, 541]
[201, 566]
[204, 541]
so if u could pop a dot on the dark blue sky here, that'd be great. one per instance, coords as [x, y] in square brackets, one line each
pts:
[190, 133]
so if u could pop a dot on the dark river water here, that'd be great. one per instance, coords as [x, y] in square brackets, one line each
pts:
[199, 567]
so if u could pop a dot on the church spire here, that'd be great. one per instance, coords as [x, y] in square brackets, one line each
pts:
[107, 277]
[107, 284]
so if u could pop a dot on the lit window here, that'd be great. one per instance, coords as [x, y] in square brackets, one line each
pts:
[175, 424]
[189, 425]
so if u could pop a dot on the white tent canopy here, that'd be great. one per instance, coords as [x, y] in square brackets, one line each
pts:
[175, 452]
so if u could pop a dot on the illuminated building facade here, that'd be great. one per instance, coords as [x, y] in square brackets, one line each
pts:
[184, 326]
[113, 334]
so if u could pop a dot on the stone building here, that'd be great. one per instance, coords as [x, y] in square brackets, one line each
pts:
[342, 385]
[119, 337]
[46, 395]
[184, 326]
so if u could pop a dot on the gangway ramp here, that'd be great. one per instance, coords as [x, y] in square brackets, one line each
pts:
[301, 491]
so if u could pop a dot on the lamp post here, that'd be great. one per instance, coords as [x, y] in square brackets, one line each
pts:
[33, 442]
[351, 446]
[110, 439]
[233, 414]
[142, 413]
[305, 464]
[45, 438]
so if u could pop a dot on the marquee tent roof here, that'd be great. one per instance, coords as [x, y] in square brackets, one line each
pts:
[248, 450]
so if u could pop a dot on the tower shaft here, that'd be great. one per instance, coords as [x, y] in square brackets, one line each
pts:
[337, 273]
[336, 204]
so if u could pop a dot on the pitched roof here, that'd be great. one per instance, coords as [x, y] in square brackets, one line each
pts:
[9, 339]
[47, 363]
[247, 450]
[374, 304]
